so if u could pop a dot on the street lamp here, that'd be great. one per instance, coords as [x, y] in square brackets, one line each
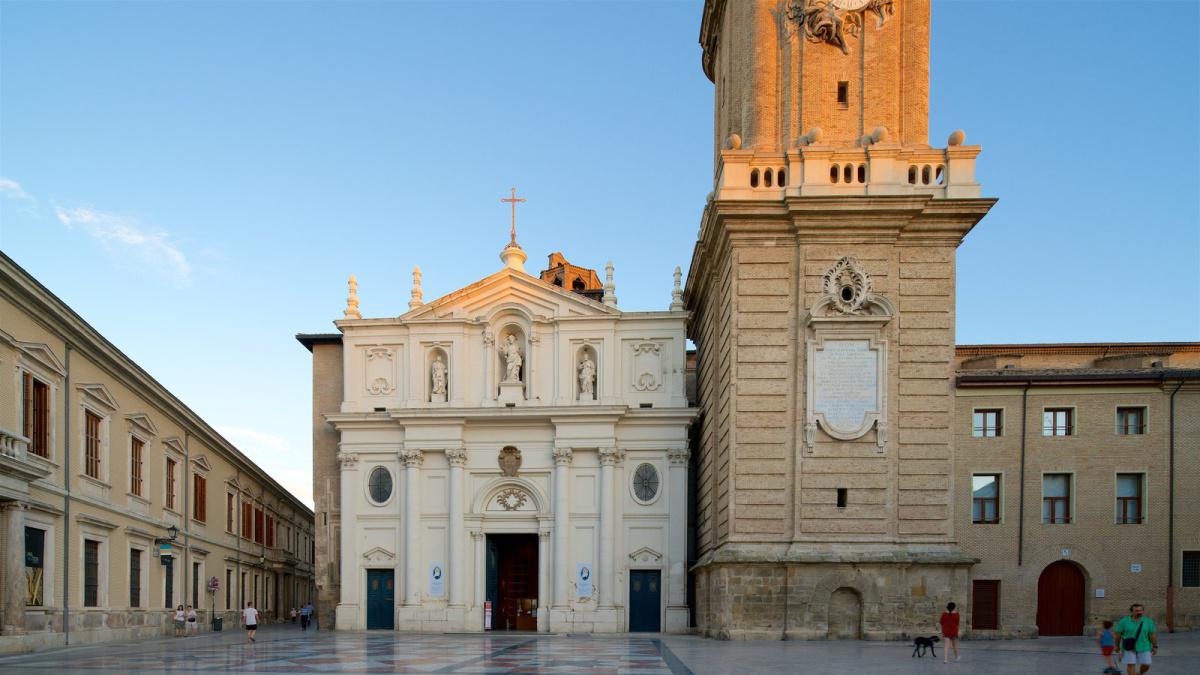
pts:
[172, 532]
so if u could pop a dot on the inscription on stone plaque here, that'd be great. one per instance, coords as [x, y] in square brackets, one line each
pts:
[845, 385]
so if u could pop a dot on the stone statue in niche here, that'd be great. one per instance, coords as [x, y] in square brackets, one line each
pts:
[587, 378]
[438, 372]
[511, 352]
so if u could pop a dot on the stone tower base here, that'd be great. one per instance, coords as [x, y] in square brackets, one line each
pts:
[814, 592]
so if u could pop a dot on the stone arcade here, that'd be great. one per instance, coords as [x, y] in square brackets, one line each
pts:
[513, 455]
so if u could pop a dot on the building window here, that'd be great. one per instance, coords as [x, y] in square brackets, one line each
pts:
[199, 497]
[270, 532]
[1056, 498]
[170, 501]
[196, 584]
[379, 485]
[35, 422]
[985, 604]
[135, 577]
[986, 423]
[228, 589]
[247, 520]
[258, 530]
[1058, 422]
[843, 94]
[92, 444]
[242, 591]
[35, 562]
[1131, 421]
[169, 588]
[1129, 498]
[1191, 568]
[842, 497]
[985, 498]
[229, 510]
[91, 573]
[135, 465]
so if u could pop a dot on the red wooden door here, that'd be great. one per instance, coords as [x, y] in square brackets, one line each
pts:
[1060, 600]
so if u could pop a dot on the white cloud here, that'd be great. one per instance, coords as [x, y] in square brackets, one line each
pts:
[274, 455]
[122, 235]
[12, 189]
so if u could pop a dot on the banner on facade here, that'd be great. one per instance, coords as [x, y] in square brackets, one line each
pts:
[437, 580]
[583, 580]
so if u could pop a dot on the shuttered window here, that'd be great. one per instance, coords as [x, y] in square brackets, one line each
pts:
[35, 421]
[985, 604]
[199, 497]
[136, 446]
[91, 573]
[92, 444]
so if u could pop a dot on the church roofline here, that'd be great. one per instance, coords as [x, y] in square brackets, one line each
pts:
[524, 276]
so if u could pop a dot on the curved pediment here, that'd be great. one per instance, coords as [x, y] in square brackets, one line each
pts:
[510, 290]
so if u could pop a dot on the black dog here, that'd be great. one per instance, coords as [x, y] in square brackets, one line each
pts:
[923, 643]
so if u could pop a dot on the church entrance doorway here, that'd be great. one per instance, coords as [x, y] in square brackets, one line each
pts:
[512, 580]
[645, 601]
[381, 599]
[1060, 600]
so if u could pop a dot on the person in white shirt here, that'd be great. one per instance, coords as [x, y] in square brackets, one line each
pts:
[180, 617]
[250, 618]
[193, 625]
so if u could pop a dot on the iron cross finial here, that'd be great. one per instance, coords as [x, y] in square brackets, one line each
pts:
[513, 200]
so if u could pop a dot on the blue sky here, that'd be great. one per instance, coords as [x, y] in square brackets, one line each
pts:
[198, 179]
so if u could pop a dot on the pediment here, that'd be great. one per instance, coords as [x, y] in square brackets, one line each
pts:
[201, 463]
[174, 445]
[379, 555]
[42, 355]
[143, 423]
[645, 554]
[506, 289]
[98, 396]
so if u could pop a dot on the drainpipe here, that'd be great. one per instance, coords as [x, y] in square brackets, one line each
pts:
[1021, 498]
[66, 468]
[186, 572]
[1171, 516]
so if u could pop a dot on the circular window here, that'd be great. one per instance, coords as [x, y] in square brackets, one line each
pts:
[380, 485]
[645, 483]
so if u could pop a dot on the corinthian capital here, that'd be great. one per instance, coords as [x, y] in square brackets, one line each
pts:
[611, 456]
[562, 456]
[456, 456]
[347, 460]
[679, 456]
[412, 458]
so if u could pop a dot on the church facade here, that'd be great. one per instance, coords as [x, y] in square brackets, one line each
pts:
[512, 456]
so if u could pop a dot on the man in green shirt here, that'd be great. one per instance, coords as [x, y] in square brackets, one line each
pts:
[1141, 630]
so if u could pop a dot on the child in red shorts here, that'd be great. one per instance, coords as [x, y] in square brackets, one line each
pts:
[949, 621]
[1107, 642]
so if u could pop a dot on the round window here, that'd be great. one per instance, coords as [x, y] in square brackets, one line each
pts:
[380, 484]
[645, 483]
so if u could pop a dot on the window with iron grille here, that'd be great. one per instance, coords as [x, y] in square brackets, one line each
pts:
[135, 577]
[1058, 422]
[35, 561]
[170, 500]
[196, 585]
[228, 589]
[35, 419]
[1131, 421]
[169, 588]
[229, 510]
[985, 498]
[1056, 498]
[92, 444]
[135, 465]
[986, 423]
[1129, 498]
[91, 573]
[1191, 568]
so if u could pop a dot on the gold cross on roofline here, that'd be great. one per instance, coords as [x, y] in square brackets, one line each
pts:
[514, 199]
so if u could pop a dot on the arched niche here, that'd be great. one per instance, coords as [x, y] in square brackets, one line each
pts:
[520, 338]
[437, 374]
[587, 353]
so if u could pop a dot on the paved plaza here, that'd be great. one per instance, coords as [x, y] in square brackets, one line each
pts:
[285, 649]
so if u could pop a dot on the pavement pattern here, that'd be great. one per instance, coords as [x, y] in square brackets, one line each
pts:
[284, 649]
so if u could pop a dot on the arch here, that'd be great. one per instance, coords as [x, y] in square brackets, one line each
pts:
[848, 173]
[768, 177]
[754, 178]
[835, 172]
[845, 614]
[1062, 589]
[489, 490]
[822, 595]
[781, 177]
[594, 355]
[431, 357]
[578, 284]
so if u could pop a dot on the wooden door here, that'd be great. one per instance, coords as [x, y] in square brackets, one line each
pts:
[381, 599]
[985, 604]
[645, 601]
[1060, 600]
[512, 582]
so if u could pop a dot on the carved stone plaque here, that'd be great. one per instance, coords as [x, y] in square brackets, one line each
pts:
[509, 461]
[845, 386]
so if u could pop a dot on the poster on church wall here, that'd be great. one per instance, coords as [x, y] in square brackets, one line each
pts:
[583, 580]
[437, 580]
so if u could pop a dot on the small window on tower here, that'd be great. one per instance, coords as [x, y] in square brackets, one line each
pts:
[843, 94]
[841, 498]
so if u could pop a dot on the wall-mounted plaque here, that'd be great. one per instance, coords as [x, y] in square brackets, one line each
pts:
[846, 392]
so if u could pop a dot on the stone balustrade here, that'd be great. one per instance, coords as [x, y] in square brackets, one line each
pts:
[872, 168]
[13, 444]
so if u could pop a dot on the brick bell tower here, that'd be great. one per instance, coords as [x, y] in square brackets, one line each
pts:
[822, 298]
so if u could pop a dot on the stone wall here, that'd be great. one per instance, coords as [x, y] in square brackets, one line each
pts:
[327, 398]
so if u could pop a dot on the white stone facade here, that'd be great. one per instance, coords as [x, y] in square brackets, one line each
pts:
[428, 399]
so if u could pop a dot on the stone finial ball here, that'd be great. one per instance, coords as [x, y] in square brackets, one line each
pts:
[734, 142]
[956, 137]
[879, 135]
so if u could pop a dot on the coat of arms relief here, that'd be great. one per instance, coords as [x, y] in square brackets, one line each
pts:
[830, 21]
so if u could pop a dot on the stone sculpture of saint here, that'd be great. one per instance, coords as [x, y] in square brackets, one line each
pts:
[438, 370]
[512, 358]
[587, 376]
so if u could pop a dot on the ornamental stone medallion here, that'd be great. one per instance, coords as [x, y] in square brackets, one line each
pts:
[512, 499]
[509, 461]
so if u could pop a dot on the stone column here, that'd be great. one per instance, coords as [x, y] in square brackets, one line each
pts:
[412, 459]
[15, 584]
[607, 560]
[676, 582]
[562, 571]
[457, 457]
[350, 585]
[543, 610]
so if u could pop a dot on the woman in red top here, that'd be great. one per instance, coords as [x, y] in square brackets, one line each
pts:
[949, 623]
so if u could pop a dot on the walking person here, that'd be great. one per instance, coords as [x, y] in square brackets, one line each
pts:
[305, 616]
[193, 626]
[180, 620]
[949, 622]
[295, 613]
[1108, 643]
[1138, 640]
[250, 618]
